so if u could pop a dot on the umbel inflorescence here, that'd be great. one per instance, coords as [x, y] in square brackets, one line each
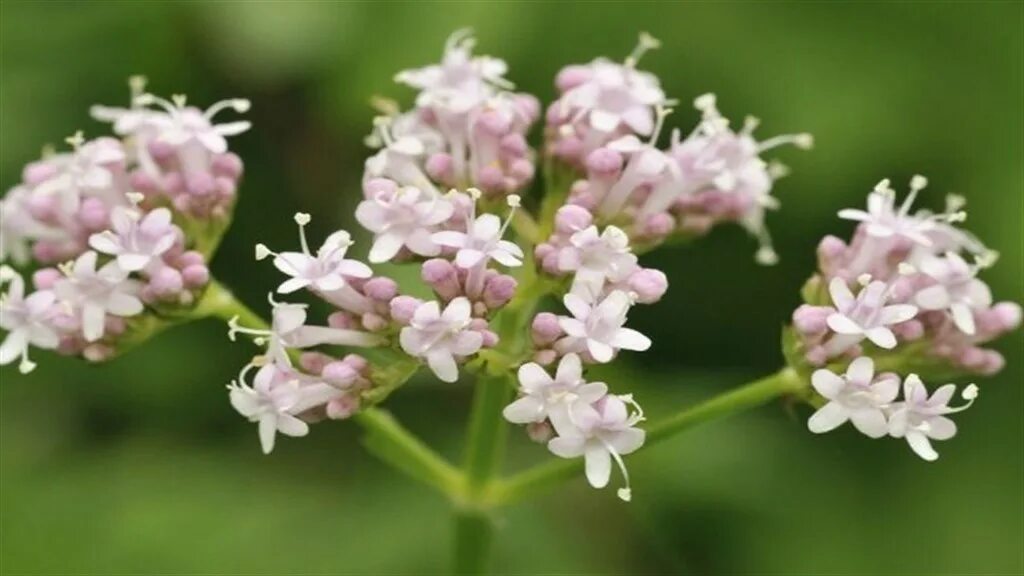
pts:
[120, 230]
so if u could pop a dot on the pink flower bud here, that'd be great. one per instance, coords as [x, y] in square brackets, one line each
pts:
[442, 277]
[568, 148]
[1009, 314]
[570, 219]
[314, 362]
[658, 225]
[499, 290]
[648, 284]
[571, 77]
[45, 278]
[993, 363]
[403, 308]
[492, 123]
[514, 144]
[440, 168]
[190, 258]
[228, 165]
[357, 362]
[490, 338]
[816, 356]
[159, 150]
[339, 374]
[380, 288]
[528, 107]
[490, 178]
[38, 172]
[830, 251]
[195, 275]
[200, 184]
[810, 320]
[341, 320]
[604, 162]
[166, 282]
[93, 214]
[373, 322]
[42, 206]
[540, 432]
[522, 170]
[342, 408]
[545, 357]
[379, 187]
[545, 329]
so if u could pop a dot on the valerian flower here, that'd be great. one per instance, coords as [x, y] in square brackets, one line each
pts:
[403, 217]
[920, 418]
[555, 399]
[326, 271]
[597, 328]
[441, 337]
[27, 320]
[858, 397]
[868, 315]
[95, 292]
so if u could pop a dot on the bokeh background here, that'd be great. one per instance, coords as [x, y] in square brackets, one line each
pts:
[141, 466]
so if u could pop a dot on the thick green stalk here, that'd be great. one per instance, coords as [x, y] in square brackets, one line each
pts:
[474, 539]
[547, 476]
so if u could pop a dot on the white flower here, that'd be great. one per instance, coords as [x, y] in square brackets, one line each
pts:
[597, 259]
[866, 316]
[126, 120]
[183, 124]
[136, 240]
[957, 290]
[85, 171]
[272, 401]
[607, 431]
[439, 337]
[884, 220]
[920, 418]
[401, 151]
[482, 240]
[326, 272]
[96, 293]
[647, 167]
[289, 330]
[26, 320]
[857, 396]
[598, 328]
[555, 398]
[461, 81]
[406, 218]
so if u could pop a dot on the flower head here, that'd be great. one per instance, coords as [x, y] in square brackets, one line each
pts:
[868, 315]
[136, 240]
[858, 397]
[555, 399]
[403, 218]
[325, 271]
[440, 337]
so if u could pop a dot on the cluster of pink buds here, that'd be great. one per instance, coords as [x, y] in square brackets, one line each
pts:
[904, 293]
[607, 123]
[467, 128]
[104, 245]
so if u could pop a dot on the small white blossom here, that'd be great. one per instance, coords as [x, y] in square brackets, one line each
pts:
[865, 316]
[857, 397]
[598, 328]
[326, 271]
[184, 124]
[606, 431]
[95, 293]
[26, 320]
[884, 220]
[544, 397]
[957, 290]
[482, 240]
[403, 218]
[136, 240]
[597, 259]
[920, 418]
[441, 337]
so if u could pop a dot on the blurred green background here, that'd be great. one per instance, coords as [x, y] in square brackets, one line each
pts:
[141, 466]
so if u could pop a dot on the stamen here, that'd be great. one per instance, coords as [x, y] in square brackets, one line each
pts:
[135, 198]
[644, 44]
[906, 269]
[864, 279]
[626, 492]
[262, 252]
[660, 114]
[76, 140]
[750, 123]
[301, 218]
[803, 141]
[240, 105]
[179, 100]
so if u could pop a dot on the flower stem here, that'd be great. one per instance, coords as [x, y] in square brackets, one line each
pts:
[756, 393]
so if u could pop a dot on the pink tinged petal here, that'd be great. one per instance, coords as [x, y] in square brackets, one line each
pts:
[853, 214]
[861, 371]
[13, 346]
[886, 389]
[505, 258]
[942, 395]
[511, 247]
[156, 221]
[420, 242]
[354, 268]
[268, 430]
[827, 384]
[598, 465]
[897, 313]
[293, 263]
[921, 446]
[640, 119]
[871, 423]
[629, 339]
[568, 259]
[289, 318]
[427, 312]
[933, 298]
[592, 392]
[450, 238]
[467, 343]
[106, 242]
[979, 294]
[411, 341]
[572, 327]
[628, 440]
[93, 319]
[879, 231]
[244, 402]
[468, 258]
[385, 247]
[133, 262]
[843, 324]
[963, 317]
[328, 283]
[486, 227]
[914, 391]
[85, 265]
[458, 310]
[212, 141]
[841, 295]
[603, 121]
[882, 337]
[442, 363]
[524, 410]
[567, 446]
[941, 428]
[601, 352]
[371, 215]
[570, 369]
[577, 306]
[292, 285]
[291, 426]
[232, 128]
[533, 378]
[827, 418]
[124, 305]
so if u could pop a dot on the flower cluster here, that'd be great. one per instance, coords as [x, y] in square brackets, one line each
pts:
[918, 302]
[104, 225]
[607, 122]
[467, 128]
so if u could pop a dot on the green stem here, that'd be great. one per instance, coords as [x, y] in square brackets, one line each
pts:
[474, 539]
[385, 437]
[756, 393]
